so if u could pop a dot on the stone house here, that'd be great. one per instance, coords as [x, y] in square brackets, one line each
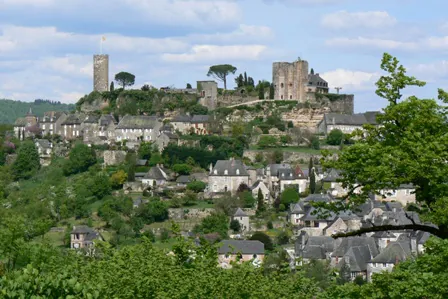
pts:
[181, 124]
[156, 176]
[404, 194]
[90, 128]
[313, 247]
[138, 128]
[345, 122]
[26, 126]
[260, 185]
[227, 176]
[183, 180]
[197, 124]
[243, 219]
[19, 128]
[71, 127]
[316, 84]
[51, 122]
[166, 138]
[44, 148]
[83, 237]
[242, 250]
[208, 93]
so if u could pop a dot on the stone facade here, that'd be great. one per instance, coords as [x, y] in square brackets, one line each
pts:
[290, 80]
[227, 176]
[101, 72]
[114, 157]
[208, 93]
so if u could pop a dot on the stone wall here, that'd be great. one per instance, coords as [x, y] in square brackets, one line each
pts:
[114, 157]
[236, 98]
[95, 105]
[101, 73]
[185, 213]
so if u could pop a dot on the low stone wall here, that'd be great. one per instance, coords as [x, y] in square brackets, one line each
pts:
[185, 213]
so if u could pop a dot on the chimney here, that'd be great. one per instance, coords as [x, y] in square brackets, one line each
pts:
[333, 121]
[414, 248]
[211, 167]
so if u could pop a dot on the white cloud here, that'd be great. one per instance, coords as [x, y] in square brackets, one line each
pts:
[430, 71]
[211, 53]
[307, 2]
[351, 80]
[244, 34]
[375, 43]
[368, 19]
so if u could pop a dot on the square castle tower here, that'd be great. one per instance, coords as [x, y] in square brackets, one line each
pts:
[290, 80]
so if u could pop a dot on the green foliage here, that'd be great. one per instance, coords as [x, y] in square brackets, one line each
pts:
[156, 158]
[285, 139]
[154, 211]
[196, 186]
[247, 199]
[315, 144]
[125, 79]
[81, 157]
[335, 137]
[283, 238]
[118, 179]
[409, 146]
[312, 181]
[289, 196]
[214, 223]
[221, 71]
[277, 156]
[11, 110]
[319, 271]
[27, 162]
[182, 169]
[189, 86]
[263, 238]
[197, 109]
[267, 141]
[260, 202]
[112, 86]
[235, 226]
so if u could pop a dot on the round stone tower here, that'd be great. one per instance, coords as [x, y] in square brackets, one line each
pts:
[101, 72]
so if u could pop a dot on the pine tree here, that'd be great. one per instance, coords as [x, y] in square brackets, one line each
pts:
[112, 87]
[312, 174]
[261, 93]
[260, 203]
[245, 79]
[271, 91]
[310, 165]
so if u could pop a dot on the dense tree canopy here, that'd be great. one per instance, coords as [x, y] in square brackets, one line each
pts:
[409, 146]
[221, 71]
[81, 157]
[125, 79]
[27, 162]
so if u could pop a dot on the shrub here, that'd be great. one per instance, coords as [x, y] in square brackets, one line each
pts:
[263, 238]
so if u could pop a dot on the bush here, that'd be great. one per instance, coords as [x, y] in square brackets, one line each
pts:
[335, 137]
[282, 238]
[263, 238]
[315, 144]
[235, 226]
[267, 141]
[289, 196]
[196, 186]
[270, 225]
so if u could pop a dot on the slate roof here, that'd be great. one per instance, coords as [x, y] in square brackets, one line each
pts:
[231, 166]
[318, 198]
[274, 168]
[200, 119]
[350, 242]
[181, 119]
[141, 162]
[314, 247]
[72, 119]
[314, 79]
[296, 209]
[358, 257]
[286, 174]
[44, 143]
[51, 116]
[138, 122]
[139, 201]
[170, 135]
[20, 122]
[393, 253]
[332, 176]
[82, 229]
[92, 119]
[183, 179]
[351, 119]
[239, 213]
[241, 246]
[155, 173]
[107, 119]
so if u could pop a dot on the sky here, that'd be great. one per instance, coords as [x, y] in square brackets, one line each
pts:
[46, 46]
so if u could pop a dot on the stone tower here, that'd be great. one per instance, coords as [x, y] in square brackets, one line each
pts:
[101, 72]
[290, 80]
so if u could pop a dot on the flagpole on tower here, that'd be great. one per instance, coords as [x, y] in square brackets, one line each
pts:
[103, 38]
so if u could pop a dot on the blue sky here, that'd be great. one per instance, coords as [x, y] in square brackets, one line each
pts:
[46, 46]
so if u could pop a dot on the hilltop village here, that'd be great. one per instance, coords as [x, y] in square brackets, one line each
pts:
[241, 166]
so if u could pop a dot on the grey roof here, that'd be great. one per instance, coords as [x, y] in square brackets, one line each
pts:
[107, 119]
[141, 162]
[170, 135]
[200, 119]
[44, 143]
[182, 119]
[393, 253]
[51, 116]
[20, 122]
[139, 201]
[350, 242]
[286, 174]
[155, 173]
[241, 246]
[274, 168]
[140, 174]
[72, 119]
[316, 80]
[332, 176]
[231, 166]
[184, 179]
[92, 119]
[314, 247]
[318, 198]
[82, 229]
[358, 257]
[311, 214]
[296, 209]
[239, 213]
[351, 119]
[138, 122]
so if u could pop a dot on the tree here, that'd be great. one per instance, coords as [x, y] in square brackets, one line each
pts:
[277, 156]
[81, 157]
[285, 139]
[146, 87]
[271, 91]
[27, 162]
[260, 201]
[335, 137]
[283, 238]
[112, 87]
[266, 141]
[235, 226]
[410, 141]
[245, 79]
[221, 71]
[189, 86]
[312, 181]
[214, 223]
[196, 186]
[118, 179]
[182, 169]
[239, 81]
[315, 143]
[261, 93]
[289, 196]
[263, 238]
[125, 79]
[247, 199]
[130, 161]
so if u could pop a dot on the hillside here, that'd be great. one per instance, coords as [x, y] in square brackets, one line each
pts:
[10, 110]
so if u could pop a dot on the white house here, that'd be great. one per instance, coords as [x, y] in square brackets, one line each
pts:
[227, 176]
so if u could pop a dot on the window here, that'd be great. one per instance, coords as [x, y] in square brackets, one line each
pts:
[290, 84]
[281, 85]
[237, 172]
[241, 218]
[215, 172]
[203, 93]
[290, 97]
[316, 224]
[227, 255]
[43, 127]
[225, 189]
[307, 224]
[384, 265]
[226, 172]
[281, 97]
[254, 256]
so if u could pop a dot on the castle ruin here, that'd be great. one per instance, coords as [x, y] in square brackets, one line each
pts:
[290, 80]
[101, 72]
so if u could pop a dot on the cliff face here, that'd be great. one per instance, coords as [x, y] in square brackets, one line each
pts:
[96, 105]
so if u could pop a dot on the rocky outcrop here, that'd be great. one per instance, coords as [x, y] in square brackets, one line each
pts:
[114, 157]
